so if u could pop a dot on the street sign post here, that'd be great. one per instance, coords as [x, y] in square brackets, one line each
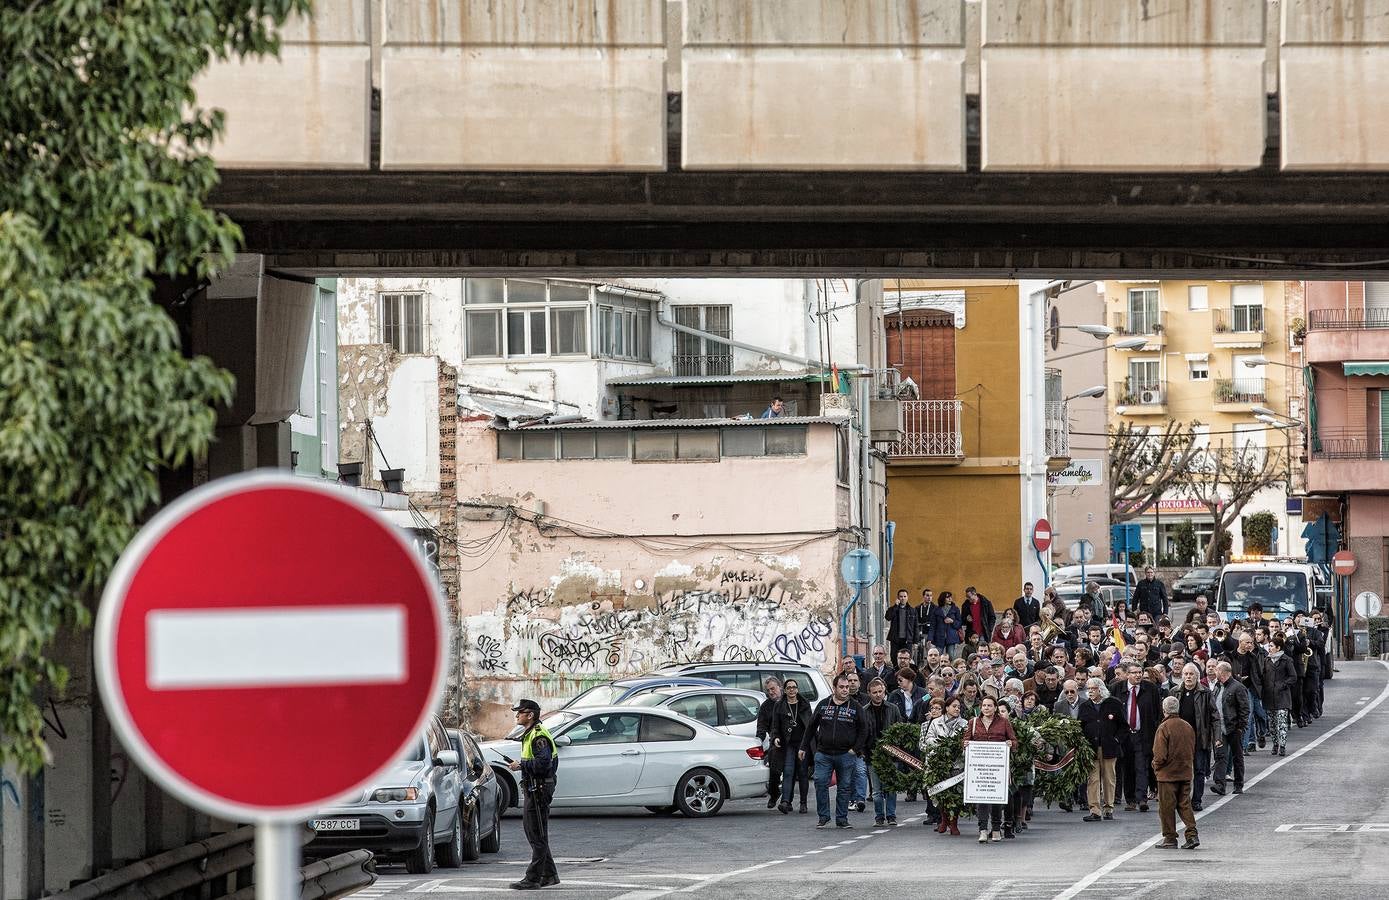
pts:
[265, 646]
[1041, 542]
[1082, 551]
[860, 569]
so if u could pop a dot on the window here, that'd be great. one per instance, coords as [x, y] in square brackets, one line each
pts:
[701, 707]
[785, 441]
[1198, 369]
[525, 445]
[1197, 298]
[695, 355]
[576, 445]
[842, 470]
[699, 444]
[659, 728]
[616, 444]
[611, 728]
[739, 710]
[650, 445]
[744, 441]
[1250, 443]
[1201, 442]
[1143, 310]
[526, 318]
[402, 322]
[1247, 301]
[625, 333]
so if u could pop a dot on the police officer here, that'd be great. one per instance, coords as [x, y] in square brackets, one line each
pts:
[539, 760]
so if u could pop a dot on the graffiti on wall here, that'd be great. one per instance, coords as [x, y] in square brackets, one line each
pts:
[752, 613]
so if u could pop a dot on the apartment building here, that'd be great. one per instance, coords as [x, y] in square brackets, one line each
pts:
[593, 460]
[968, 479]
[1347, 417]
[1217, 356]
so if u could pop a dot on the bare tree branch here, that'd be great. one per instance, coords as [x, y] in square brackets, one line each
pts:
[1145, 463]
[1225, 480]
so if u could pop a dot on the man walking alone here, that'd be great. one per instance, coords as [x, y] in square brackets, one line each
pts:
[838, 732]
[538, 764]
[1174, 749]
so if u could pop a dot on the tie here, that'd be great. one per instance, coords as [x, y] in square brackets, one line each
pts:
[1133, 709]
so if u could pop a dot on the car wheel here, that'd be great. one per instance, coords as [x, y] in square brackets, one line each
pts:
[472, 837]
[700, 793]
[420, 861]
[506, 794]
[452, 852]
[661, 810]
[493, 842]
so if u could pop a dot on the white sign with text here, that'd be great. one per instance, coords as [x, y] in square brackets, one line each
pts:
[1078, 473]
[986, 772]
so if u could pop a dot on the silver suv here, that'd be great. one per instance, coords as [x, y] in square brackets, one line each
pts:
[748, 676]
[411, 813]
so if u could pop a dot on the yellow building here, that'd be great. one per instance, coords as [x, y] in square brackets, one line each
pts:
[968, 479]
[1195, 368]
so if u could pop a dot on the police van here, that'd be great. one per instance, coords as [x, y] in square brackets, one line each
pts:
[1280, 585]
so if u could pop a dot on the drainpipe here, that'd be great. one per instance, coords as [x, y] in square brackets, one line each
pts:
[554, 384]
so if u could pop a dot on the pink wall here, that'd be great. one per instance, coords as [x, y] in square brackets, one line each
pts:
[1368, 514]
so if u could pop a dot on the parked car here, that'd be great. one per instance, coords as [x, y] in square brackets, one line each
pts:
[749, 675]
[484, 797]
[1115, 571]
[615, 692]
[646, 756]
[1203, 580]
[1070, 591]
[412, 813]
[730, 710]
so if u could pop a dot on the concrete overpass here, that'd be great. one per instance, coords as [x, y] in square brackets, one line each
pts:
[987, 137]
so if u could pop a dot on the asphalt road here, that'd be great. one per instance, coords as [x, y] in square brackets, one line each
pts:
[1313, 823]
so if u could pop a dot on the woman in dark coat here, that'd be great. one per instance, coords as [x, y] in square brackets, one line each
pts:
[1101, 716]
[943, 624]
[1282, 681]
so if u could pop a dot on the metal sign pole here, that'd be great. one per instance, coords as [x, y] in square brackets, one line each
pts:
[277, 861]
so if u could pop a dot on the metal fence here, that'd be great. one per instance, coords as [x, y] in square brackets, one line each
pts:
[1347, 319]
[1058, 430]
[930, 428]
[704, 364]
[1350, 443]
[1239, 390]
[1140, 392]
[1239, 319]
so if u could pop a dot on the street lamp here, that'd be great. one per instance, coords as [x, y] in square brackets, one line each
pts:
[1270, 420]
[1264, 411]
[1096, 391]
[1132, 343]
[1254, 362]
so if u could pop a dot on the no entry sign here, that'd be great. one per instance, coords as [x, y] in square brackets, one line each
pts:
[266, 645]
[1344, 563]
[1041, 535]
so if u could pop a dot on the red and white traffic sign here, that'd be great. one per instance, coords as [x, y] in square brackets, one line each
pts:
[267, 645]
[1343, 563]
[1041, 535]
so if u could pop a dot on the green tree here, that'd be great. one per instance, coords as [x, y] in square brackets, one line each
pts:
[1258, 533]
[1187, 543]
[104, 177]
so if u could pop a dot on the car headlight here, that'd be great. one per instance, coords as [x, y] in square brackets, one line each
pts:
[395, 795]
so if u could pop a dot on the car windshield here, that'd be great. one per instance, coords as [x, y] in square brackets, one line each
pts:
[1283, 592]
[602, 695]
[651, 698]
[1201, 573]
[552, 719]
[414, 753]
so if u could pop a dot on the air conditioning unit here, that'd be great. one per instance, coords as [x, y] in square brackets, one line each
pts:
[1149, 397]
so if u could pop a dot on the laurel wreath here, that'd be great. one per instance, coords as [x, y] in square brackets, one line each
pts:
[945, 759]
[893, 774]
[1062, 734]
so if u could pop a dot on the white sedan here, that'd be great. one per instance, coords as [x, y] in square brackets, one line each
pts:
[730, 710]
[651, 757]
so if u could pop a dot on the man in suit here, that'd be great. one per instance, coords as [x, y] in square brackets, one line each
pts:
[978, 614]
[902, 624]
[1028, 607]
[1232, 703]
[1142, 715]
[878, 667]
[1150, 596]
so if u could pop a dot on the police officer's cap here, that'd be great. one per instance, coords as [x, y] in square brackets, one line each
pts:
[526, 705]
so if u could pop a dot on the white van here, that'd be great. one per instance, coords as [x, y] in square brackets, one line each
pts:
[1099, 570]
[1281, 588]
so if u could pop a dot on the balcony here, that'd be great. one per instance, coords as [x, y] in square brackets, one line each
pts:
[930, 432]
[1126, 323]
[1058, 433]
[1349, 460]
[1238, 326]
[702, 364]
[1238, 394]
[1140, 397]
[1340, 335]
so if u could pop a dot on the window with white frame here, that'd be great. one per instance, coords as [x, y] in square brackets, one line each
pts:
[624, 327]
[696, 355]
[1198, 369]
[1143, 310]
[1247, 302]
[520, 317]
[1197, 298]
[401, 318]
[1251, 439]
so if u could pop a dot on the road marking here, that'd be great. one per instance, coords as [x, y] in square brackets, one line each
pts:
[1347, 828]
[812, 852]
[1147, 844]
[190, 649]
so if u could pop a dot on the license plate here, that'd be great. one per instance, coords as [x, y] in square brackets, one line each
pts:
[335, 824]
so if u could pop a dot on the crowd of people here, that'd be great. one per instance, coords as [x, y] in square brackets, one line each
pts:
[1171, 708]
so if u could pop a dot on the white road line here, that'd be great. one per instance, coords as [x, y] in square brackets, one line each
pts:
[812, 852]
[1119, 860]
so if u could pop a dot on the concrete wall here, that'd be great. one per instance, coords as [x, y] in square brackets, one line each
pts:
[1082, 511]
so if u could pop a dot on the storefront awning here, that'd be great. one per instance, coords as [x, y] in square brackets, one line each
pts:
[1366, 368]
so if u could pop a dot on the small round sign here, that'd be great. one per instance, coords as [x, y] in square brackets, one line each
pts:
[1344, 563]
[1367, 604]
[860, 567]
[1041, 535]
[1082, 551]
[267, 645]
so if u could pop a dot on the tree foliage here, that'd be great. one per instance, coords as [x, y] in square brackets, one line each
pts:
[1258, 532]
[104, 176]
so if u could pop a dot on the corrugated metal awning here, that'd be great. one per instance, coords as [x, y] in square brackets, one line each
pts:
[1366, 368]
[704, 380]
[678, 423]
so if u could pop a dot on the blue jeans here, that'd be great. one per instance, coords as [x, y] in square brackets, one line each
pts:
[860, 779]
[884, 802]
[794, 770]
[843, 767]
[1258, 720]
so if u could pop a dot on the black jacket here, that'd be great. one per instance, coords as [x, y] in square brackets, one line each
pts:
[1234, 707]
[986, 612]
[1149, 708]
[920, 703]
[764, 717]
[1203, 719]
[1316, 638]
[1249, 669]
[1029, 610]
[836, 728]
[879, 719]
[887, 673]
[905, 630]
[1150, 596]
[1103, 723]
[790, 726]
[1283, 681]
